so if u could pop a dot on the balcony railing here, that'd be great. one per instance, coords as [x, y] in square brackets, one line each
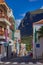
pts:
[4, 16]
[8, 19]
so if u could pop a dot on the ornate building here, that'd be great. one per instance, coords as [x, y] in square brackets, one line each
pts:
[7, 28]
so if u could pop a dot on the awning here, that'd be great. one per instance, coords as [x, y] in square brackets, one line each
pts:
[4, 43]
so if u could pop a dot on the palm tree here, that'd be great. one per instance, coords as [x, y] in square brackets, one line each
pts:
[40, 32]
[40, 35]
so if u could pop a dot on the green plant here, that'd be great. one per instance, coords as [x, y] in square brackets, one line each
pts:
[40, 32]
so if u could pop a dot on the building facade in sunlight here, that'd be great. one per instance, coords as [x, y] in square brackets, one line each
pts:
[18, 40]
[7, 29]
[38, 39]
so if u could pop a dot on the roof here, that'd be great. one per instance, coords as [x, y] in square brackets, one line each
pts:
[1, 1]
[17, 31]
[39, 22]
[37, 11]
[4, 3]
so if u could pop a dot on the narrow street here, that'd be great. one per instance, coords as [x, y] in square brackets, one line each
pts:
[21, 61]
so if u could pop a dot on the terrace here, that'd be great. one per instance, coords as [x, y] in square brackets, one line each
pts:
[5, 18]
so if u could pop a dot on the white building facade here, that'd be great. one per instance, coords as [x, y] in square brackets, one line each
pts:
[37, 43]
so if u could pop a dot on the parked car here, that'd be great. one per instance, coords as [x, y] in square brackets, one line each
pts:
[30, 53]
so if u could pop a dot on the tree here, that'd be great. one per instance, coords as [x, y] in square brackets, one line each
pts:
[40, 32]
[35, 35]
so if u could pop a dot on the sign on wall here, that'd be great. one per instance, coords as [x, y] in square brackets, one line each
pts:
[38, 45]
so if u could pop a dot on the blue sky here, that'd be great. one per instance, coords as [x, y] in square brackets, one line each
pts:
[20, 7]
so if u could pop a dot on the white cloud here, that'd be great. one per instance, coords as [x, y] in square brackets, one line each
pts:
[41, 7]
[32, 0]
[18, 22]
[22, 14]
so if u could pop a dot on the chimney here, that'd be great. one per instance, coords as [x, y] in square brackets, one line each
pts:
[1, 1]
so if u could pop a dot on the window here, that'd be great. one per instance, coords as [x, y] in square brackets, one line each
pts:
[1, 30]
[0, 11]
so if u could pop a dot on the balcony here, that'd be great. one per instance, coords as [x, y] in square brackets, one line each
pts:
[4, 18]
[2, 37]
